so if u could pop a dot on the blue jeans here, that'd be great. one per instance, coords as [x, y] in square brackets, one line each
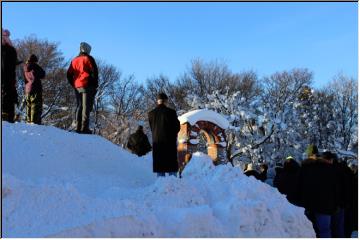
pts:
[338, 224]
[162, 174]
[323, 224]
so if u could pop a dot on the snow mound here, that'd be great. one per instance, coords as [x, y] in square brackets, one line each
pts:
[204, 115]
[61, 184]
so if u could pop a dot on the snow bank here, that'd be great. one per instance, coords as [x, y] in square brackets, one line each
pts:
[204, 115]
[60, 184]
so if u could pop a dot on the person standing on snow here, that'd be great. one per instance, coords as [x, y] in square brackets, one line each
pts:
[138, 142]
[164, 126]
[33, 74]
[263, 172]
[287, 179]
[318, 192]
[83, 76]
[9, 95]
[345, 180]
[250, 171]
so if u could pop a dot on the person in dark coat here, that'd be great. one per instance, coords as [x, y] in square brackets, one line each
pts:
[287, 178]
[9, 61]
[138, 142]
[249, 171]
[263, 172]
[318, 192]
[345, 181]
[341, 220]
[33, 74]
[83, 77]
[352, 215]
[164, 126]
[279, 167]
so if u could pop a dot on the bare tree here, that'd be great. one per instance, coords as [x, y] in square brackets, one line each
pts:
[108, 75]
[283, 87]
[345, 99]
[204, 78]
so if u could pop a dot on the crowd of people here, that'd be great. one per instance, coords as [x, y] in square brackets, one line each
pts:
[323, 185]
[83, 76]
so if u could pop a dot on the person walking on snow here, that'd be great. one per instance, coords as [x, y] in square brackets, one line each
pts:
[33, 74]
[164, 126]
[83, 77]
[138, 142]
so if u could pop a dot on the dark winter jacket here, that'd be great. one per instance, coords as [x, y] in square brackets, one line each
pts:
[253, 173]
[318, 187]
[33, 74]
[83, 72]
[278, 171]
[164, 126]
[138, 143]
[8, 73]
[345, 180]
[351, 212]
[286, 180]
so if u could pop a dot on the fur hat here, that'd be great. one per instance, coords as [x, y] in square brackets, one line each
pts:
[248, 167]
[85, 48]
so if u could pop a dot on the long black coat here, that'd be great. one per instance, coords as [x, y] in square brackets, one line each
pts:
[138, 143]
[8, 74]
[164, 126]
[286, 181]
[318, 187]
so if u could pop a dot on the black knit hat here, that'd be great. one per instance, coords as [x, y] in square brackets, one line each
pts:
[162, 96]
[33, 58]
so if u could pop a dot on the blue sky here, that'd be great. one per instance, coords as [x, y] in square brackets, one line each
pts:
[148, 39]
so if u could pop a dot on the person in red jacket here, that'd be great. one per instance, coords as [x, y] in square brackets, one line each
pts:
[83, 77]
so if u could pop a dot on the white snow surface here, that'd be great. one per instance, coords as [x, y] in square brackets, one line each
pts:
[61, 184]
[204, 115]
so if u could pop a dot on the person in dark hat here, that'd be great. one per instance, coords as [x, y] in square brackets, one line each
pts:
[318, 192]
[33, 74]
[139, 143]
[164, 126]
[286, 180]
[83, 77]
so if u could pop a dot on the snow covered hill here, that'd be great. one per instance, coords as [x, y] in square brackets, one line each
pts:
[62, 184]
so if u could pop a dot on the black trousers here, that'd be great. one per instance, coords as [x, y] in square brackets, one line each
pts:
[8, 108]
[84, 103]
